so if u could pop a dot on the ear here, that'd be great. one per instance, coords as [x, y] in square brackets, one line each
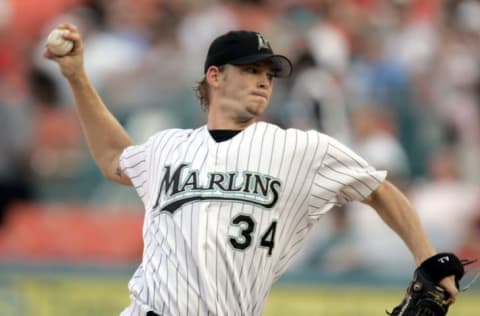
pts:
[213, 76]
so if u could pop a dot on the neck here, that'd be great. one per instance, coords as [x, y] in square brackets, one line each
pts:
[215, 123]
[222, 120]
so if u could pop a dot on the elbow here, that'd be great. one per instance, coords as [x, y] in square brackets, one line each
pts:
[387, 197]
[377, 196]
[111, 170]
[106, 170]
[107, 173]
[116, 175]
[109, 166]
[108, 161]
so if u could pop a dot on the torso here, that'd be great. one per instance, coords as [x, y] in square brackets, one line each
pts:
[224, 219]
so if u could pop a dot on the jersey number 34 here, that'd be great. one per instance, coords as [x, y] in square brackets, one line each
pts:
[247, 229]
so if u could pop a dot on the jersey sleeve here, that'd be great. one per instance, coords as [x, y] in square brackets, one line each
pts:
[343, 177]
[134, 162]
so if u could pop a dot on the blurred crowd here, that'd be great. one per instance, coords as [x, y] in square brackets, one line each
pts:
[396, 80]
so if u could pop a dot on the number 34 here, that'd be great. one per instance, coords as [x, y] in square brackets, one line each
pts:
[247, 228]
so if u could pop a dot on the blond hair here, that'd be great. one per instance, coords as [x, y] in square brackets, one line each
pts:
[202, 91]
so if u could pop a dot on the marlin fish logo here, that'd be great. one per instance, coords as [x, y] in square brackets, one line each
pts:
[262, 42]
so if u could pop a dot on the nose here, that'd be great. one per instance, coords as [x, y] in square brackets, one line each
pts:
[264, 81]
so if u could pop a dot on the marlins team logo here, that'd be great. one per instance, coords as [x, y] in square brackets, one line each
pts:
[262, 42]
[182, 186]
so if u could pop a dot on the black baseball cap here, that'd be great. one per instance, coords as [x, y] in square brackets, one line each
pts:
[245, 48]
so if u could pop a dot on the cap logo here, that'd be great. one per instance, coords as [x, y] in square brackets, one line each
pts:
[262, 43]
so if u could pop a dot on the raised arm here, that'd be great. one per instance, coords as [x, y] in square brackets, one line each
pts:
[105, 137]
[397, 212]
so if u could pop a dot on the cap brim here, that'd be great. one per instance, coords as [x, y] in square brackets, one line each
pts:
[281, 65]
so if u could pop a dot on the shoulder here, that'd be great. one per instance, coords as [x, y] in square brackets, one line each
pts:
[172, 134]
[160, 139]
[295, 132]
[297, 141]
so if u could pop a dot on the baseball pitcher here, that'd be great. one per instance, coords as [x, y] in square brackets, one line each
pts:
[229, 204]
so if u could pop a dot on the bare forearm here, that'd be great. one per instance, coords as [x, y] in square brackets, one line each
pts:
[104, 135]
[397, 212]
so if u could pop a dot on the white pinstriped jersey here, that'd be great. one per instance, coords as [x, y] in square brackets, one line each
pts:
[223, 220]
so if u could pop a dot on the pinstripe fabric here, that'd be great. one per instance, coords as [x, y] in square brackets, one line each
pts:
[223, 220]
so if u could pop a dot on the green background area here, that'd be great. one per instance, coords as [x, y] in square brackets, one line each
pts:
[107, 295]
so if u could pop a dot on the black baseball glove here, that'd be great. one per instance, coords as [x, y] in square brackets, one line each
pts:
[424, 297]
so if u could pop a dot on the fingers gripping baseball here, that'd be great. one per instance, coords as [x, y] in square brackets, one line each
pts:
[65, 46]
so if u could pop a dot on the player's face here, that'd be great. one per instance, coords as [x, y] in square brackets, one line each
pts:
[246, 89]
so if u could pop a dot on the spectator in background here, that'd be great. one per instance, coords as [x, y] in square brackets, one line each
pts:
[316, 99]
[15, 180]
[208, 21]
[375, 133]
[329, 38]
[152, 86]
[454, 82]
[412, 33]
[375, 78]
[446, 202]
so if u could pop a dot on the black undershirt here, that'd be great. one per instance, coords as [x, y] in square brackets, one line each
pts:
[221, 135]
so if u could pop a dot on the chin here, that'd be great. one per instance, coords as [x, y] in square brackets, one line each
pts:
[257, 109]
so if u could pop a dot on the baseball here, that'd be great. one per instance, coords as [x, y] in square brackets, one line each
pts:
[57, 45]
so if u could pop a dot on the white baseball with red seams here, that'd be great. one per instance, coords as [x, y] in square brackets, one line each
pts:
[57, 45]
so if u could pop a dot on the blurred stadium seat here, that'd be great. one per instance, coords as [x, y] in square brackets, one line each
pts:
[71, 233]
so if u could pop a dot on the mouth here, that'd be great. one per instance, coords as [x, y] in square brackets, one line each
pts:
[260, 94]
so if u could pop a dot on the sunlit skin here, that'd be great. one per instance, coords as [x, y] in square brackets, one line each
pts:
[239, 95]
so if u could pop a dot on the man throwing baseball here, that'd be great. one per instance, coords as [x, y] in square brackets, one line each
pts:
[229, 204]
